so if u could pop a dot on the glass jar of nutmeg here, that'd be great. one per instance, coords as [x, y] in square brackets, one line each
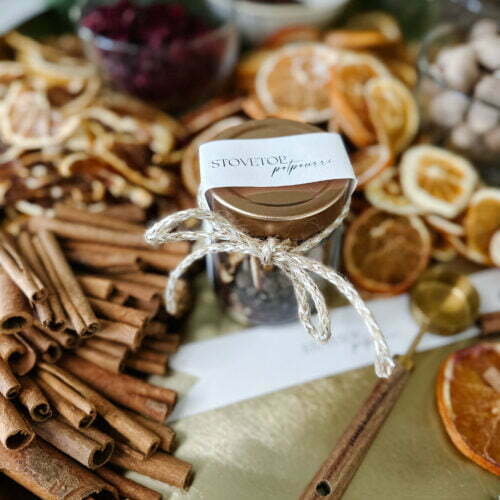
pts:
[252, 293]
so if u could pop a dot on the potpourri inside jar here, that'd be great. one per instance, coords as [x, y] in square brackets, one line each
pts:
[251, 292]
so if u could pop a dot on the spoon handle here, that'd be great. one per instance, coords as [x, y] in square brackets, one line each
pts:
[332, 479]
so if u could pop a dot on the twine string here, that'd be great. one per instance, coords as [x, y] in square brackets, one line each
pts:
[289, 259]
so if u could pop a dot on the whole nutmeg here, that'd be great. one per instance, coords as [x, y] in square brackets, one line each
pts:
[483, 28]
[488, 52]
[462, 137]
[481, 117]
[488, 90]
[448, 108]
[459, 67]
[492, 140]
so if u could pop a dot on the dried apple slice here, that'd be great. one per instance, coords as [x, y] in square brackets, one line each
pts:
[436, 180]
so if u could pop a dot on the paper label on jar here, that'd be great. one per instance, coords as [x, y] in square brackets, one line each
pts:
[274, 161]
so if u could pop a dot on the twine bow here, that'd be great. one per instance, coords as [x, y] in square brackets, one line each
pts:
[224, 237]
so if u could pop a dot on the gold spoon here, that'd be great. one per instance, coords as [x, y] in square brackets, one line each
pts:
[442, 302]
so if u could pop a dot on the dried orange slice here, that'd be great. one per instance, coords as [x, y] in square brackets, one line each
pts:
[437, 180]
[462, 249]
[247, 68]
[385, 192]
[291, 34]
[386, 252]
[190, 167]
[406, 72]
[393, 111]
[482, 220]
[442, 249]
[369, 162]
[495, 249]
[296, 80]
[379, 21]
[468, 400]
[347, 95]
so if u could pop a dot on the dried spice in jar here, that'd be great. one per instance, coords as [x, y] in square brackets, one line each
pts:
[252, 292]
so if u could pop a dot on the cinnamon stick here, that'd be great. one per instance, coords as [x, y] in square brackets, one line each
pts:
[74, 301]
[33, 399]
[155, 329]
[160, 466]
[80, 447]
[15, 433]
[100, 288]
[112, 348]
[117, 312]
[146, 365]
[73, 214]
[19, 270]
[137, 290]
[490, 323]
[167, 344]
[157, 280]
[50, 475]
[129, 212]
[129, 335]
[10, 349]
[159, 259]
[86, 232]
[119, 298]
[126, 487]
[152, 307]
[66, 338]
[48, 349]
[50, 311]
[9, 385]
[109, 262]
[24, 363]
[147, 399]
[139, 437]
[15, 312]
[100, 358]
[167, 434]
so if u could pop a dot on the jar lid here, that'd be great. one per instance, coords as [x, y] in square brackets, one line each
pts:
[287, 212]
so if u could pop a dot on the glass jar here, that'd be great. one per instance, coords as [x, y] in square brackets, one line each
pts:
[251, 293]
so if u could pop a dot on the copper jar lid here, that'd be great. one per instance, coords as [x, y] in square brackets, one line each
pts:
[288, 212]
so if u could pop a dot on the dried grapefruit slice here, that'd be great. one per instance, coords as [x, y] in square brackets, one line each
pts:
[369, 162]
[437, 180]
[468, 400]
[296, 80]
[385, 192]
[386, 252]
[393, 111]
[347, 95]
[482, 220]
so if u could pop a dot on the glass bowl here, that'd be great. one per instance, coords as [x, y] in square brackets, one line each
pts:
[173, 76]
[450, 117]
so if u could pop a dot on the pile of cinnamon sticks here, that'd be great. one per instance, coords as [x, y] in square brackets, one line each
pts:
[80, 302]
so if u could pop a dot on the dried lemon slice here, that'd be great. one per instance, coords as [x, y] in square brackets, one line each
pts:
[436, 180]
[347, 95]
[27, 120]
[368, 162]
[296, 80]
[393, 111]
[482, 220]
[386, 252]
[385, 192]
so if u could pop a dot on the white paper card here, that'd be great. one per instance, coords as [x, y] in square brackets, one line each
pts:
[274, 162]
[256, 361]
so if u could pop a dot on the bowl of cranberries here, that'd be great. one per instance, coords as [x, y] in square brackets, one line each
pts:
[162, 52]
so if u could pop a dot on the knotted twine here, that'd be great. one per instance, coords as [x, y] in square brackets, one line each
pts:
[287, 257]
